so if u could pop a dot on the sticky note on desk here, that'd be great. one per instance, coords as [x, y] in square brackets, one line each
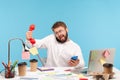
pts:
[83, 79]
[33, 50]
[81, 76]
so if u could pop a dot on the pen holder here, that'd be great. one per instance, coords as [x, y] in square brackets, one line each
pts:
[33, 65]
[9, 72]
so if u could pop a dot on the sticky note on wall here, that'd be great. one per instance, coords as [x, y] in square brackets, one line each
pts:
[33, 50]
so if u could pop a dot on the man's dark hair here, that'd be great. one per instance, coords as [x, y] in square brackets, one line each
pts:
[57, 24]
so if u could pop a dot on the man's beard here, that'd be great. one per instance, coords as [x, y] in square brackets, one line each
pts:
[62, 41]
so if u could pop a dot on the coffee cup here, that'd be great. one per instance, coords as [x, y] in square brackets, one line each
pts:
[22, 68]
[33, 65]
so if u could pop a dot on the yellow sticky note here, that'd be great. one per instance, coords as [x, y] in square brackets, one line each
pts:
[102, 61]
[33, 50]
[81, 76]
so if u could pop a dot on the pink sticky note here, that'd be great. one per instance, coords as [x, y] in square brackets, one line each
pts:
[25, 55]
[106, 53]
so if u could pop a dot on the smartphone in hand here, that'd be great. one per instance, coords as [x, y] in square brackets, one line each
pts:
[74, 57]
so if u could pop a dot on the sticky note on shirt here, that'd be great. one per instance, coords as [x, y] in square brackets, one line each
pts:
[25, 55]
[33, 50]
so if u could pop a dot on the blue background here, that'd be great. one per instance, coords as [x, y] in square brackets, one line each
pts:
[93, 24]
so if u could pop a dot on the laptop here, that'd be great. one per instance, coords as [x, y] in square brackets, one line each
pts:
[98, 57]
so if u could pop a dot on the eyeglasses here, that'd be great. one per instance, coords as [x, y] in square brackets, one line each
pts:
[60, 31]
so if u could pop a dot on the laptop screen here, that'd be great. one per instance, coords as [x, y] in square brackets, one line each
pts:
[98, 57]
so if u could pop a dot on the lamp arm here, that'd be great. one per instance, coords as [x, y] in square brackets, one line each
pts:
[9, 46]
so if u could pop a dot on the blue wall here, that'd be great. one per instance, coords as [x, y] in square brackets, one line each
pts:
[93, 24]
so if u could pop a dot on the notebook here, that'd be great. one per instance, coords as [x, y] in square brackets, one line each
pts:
[98, 57]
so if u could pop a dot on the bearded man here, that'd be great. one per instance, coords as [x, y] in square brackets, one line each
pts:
[60, 48]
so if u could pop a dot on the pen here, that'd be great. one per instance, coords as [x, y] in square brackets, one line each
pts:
[67, 70]
[13, 66]
[9, 63]
[45, 69]
[39, 69]
[8, 69]
[4, 65]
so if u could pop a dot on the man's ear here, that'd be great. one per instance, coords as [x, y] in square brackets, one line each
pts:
[67, 29]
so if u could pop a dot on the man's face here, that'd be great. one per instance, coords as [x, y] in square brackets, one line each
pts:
[61, 34]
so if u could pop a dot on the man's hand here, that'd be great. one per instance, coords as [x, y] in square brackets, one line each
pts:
[73, 62]
[28, 35]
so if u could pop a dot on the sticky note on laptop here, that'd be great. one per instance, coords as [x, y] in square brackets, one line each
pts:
[106, 54]
[102, 61]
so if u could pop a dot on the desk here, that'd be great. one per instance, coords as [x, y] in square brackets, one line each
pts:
[59, 73]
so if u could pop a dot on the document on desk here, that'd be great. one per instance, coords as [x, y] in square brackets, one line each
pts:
[28, 78]
[57, 74]
[60, 77]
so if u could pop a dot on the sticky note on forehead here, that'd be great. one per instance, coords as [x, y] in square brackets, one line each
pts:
[33, 50]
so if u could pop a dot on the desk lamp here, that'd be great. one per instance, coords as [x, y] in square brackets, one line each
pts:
[24, 47]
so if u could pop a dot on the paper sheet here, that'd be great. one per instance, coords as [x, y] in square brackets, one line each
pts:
[58, 75]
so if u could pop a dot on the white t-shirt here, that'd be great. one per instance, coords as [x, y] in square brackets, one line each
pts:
[58, 54]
